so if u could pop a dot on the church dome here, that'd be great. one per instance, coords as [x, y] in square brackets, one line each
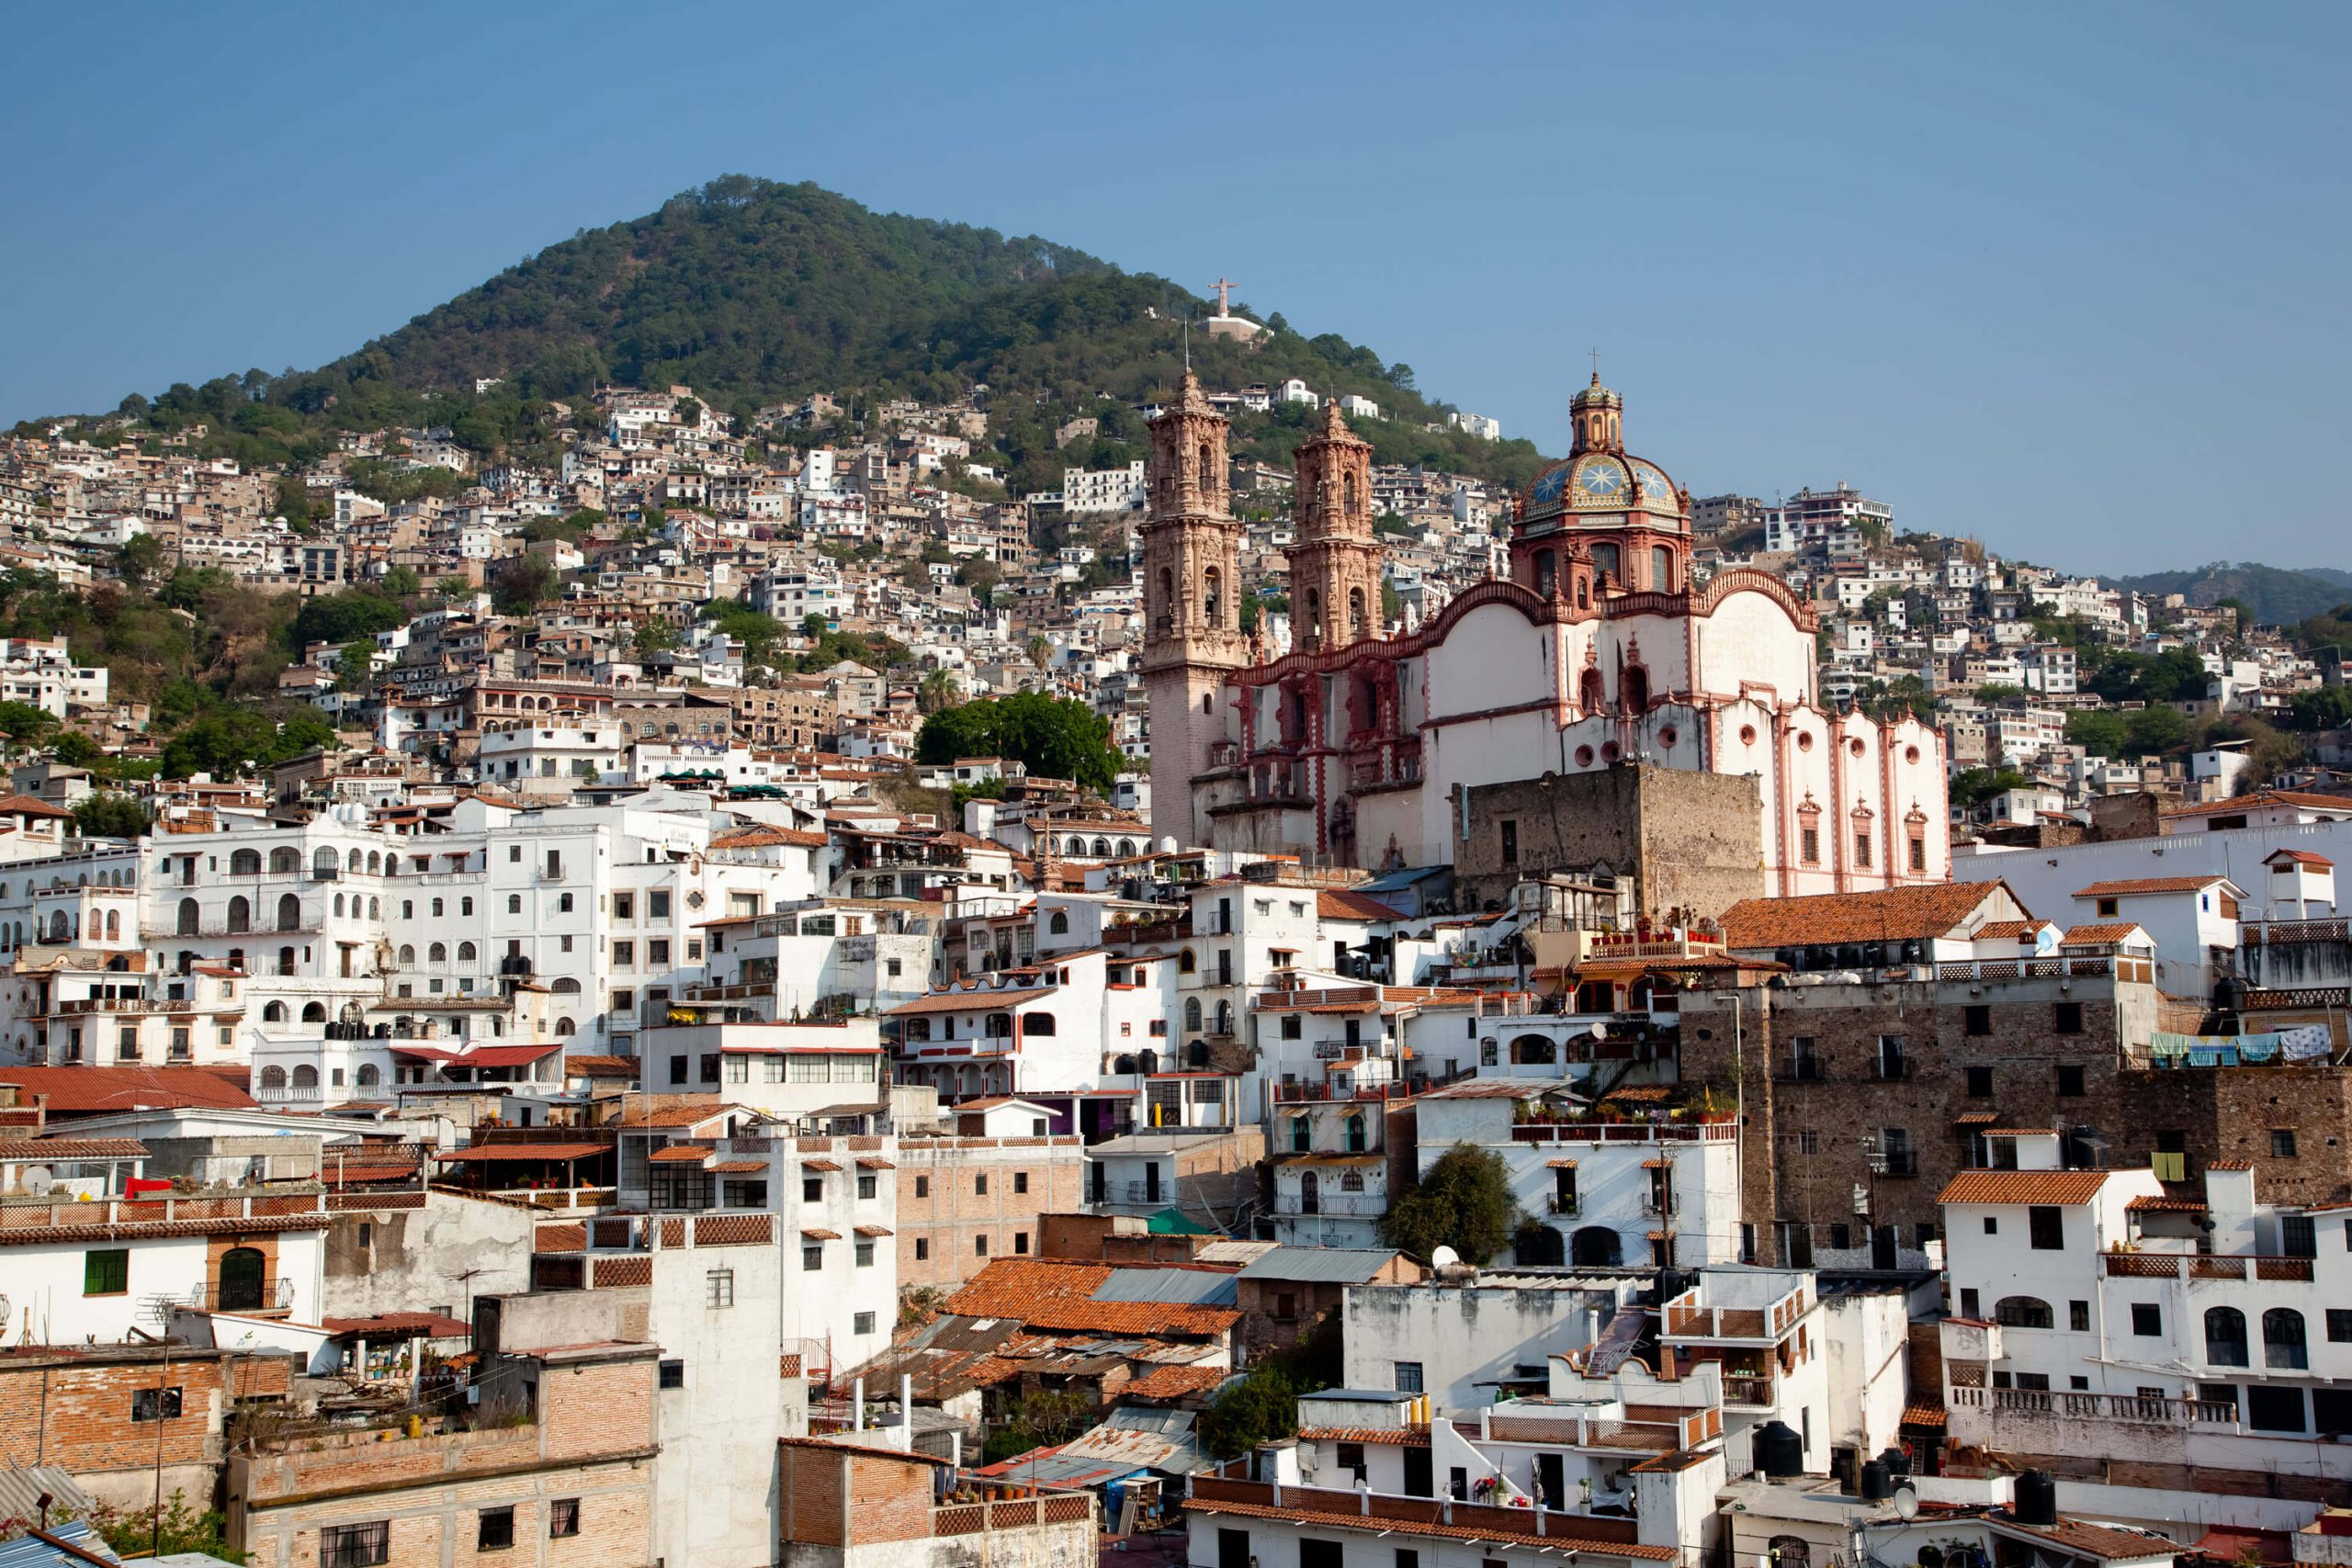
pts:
[1600, 483]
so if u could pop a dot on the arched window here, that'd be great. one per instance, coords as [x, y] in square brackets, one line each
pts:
[375, 908]
[290, 913]
[354, 862]
[514, 903]
[436, 909]
[246, 863]
[437, 954]
[314, 1012]
[465, 905]
[1036, 1023]
[338, 905]
[563, 903]
[114, 925]
[273, 1077]
[563, 1026]
[286, 861]
[1057, 923]
[188, 916]
[306, 1077]
[274, 1013]
[1595, 1247]
[326, 862]
[1193, 1014]
[1604, 561]
[2226, 1337]
[376, 861]
[286, 961]
[1355, 614]
[1634, 688]
[466, 953]
[1591, 692]
[2283, 1339]
[564, 986]
[1790, 1551]
[57, 927]
[1224, 1018]
[997, 1026]
[370, 1074]
[408, 955]
[1184, 961]
[2022, 1312]
[1661, 569]
[1101, 849]
[1547, 571]
[1212, 596]
[917, 1029]
[1355, 1130]
[408, 908]
[241, 914]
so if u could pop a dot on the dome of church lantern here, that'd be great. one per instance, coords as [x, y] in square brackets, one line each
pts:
[1600, 482]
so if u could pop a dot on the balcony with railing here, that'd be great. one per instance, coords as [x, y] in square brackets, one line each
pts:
[2059, 968]
[2100, 1407]
[1602, 1132]
[2196, 1266]
[242, 1295]
[1319, 1093]
[1344, 1205]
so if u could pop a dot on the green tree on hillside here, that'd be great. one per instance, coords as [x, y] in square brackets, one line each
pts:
[1052, 737]
[1463, 1201]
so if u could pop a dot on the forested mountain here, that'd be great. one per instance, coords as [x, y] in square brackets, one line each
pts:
[752, 292]
[2273, 596]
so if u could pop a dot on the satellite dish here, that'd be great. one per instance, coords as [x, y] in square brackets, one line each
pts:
[36, 1180]
[1444, 1257]
[1907, 1502]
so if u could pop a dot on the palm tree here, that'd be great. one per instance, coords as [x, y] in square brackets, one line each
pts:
[940, 690]
[1041, 652]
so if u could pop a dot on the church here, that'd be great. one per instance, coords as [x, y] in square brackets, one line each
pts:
[1598, 650]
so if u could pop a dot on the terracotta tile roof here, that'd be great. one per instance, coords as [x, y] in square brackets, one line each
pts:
[2133, 886]
[1894, 915]
[1128, 1317]
[480, 1153]
[1558, 1537]
[1175, 1383]
[560, 1238]
[2302, 799]
[2010, 929]
[1411, 1436]
[2229, 1164]
[825, 1164]
[2091, 1540]
[600, 1067]
[871, 1230]
[671, 1109]
[1339, 903]
[738, 1166]
[1975, 1118]
[14, 1149]
[761, 837]
[695, 1152]
[431, 1325]
[2163, 1205]
[1925, 1413]
[2299, 857]
[29, 806]
[1010, 1286]
[26, 1236]
[975, 1001]
[98, 1091]
[813, 1233]
[2023, 1187]
[2111, 932]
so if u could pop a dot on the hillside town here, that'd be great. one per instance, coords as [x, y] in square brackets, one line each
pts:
[752, 996]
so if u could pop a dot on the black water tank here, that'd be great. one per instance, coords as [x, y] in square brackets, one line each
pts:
[1123, 1065]
[1897, 1462]
[1671, 1283]
[1150, 1063]
[1779, 1450]
[1877, 1484]
[2229, 994]
[2037, 1498]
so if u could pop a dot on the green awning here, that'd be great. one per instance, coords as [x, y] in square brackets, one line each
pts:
[1176, 1222]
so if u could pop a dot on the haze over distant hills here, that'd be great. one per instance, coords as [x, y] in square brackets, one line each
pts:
[2274, 594]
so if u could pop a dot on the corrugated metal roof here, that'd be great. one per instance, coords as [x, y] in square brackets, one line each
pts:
[21, 1493]
[1187, 1287]
[1319, 1264]
[26, 1553]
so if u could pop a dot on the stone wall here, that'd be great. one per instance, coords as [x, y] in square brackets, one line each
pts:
[1689, 840]
[1802, 1149]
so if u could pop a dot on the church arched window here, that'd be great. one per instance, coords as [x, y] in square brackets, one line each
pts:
[1661, 569]
[1355, 614]
[1547, 572]
[1212, 596]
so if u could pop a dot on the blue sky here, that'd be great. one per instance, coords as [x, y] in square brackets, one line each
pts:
[2071, 279]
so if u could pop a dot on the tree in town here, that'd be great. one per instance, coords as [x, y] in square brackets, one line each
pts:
[1463, 1201]
[1052, 737]
[109, 816]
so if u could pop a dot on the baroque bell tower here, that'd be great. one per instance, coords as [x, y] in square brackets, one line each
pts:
[1192, 568]
[1335, 565]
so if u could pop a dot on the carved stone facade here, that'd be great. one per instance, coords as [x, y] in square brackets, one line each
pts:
[1335, 565]
[1192, 570]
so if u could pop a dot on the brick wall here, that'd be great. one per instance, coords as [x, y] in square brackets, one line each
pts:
[76, 1413]
[437, 1524]
[942, 1212]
